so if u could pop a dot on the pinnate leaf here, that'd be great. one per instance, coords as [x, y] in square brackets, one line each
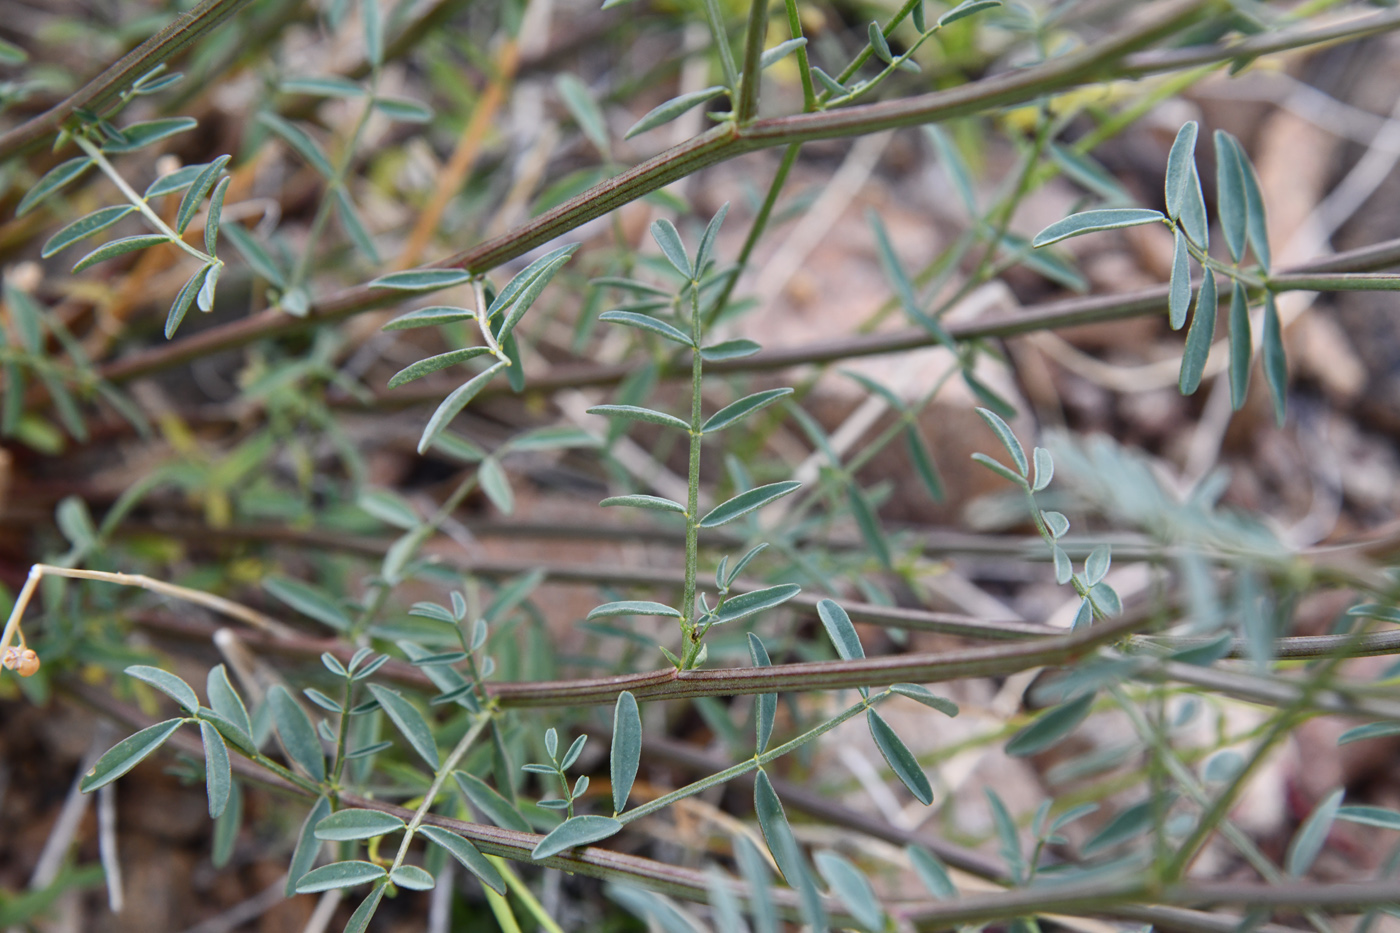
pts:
[1179, 295]
[1180, 163]
[633, 607]
[429, 317]
[140, 135]
[225, 699]
[738, 607]
[218, 775]
[654, 503]
[452, 406]
[127, 244]
[1312, 835]
[300, 141]
[927, 697]
[422, 280]
[1200, 337]
[637, 413]
[1275, 360]
[967, 8]
[308, 600]
[1050, 727]
[729, 350]
[840, 630]
[496, 808]
[308, 846]
[434, 363]
[1241, 346]
[852, 889]
[1231, 204]
[648, 323]
[55, 178]
[1008, 439]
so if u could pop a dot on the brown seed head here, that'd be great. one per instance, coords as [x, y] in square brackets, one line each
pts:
[23, 661]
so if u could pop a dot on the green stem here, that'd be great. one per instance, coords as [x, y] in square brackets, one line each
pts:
[690, 650]
[1167, 756]
[287, 774]
[337, 181]
[715, 18]
[864, 54]
[342, 737]
[527, 897]
[1354, 282]
[756, 229]
[463, 744]
[138, 202]
[804, 66]
[754, 763]
[99, 93]
[753, 52]
[1287, 720]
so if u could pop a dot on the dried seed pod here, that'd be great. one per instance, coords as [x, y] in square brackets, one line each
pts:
[23, 661]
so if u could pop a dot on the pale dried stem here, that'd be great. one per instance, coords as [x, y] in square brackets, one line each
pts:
[218, 604]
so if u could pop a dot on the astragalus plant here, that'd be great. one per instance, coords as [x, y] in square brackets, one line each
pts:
[291, 483]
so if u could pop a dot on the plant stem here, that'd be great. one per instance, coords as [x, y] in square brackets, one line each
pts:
[804, 67]
[337, 181]
[463, 744]
[100, 160]
[690, 650]
[527, 897]
[754, 763]
[715, 18]
[1168, 757]
[747, 107]
[756, 229]
[342, 737]
[217, 603]
[107, 87]
[727, 141]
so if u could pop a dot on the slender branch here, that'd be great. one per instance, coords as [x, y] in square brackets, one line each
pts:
[1311, 37]
[715, 17]
[99, 93]
[690, 649]
[1121, 897]
[217, 603]
[1354, 282]
[753, 764]
[720, 143]
[727, 141]
[747, 107]
[138, 202]
[440, 778]
[1053, 315]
